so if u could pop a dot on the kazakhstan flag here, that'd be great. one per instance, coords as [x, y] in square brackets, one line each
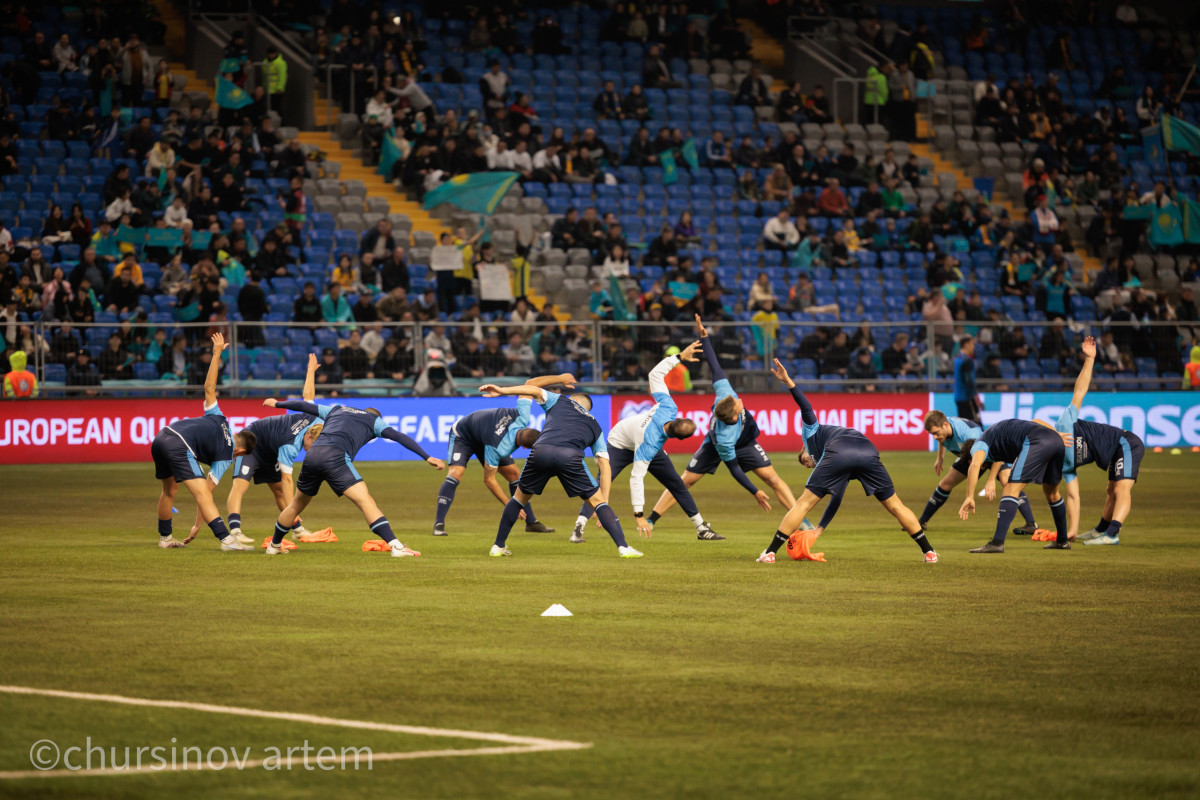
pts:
[1166, 229]
[229, 95]
[478, 192]
[1180, 135]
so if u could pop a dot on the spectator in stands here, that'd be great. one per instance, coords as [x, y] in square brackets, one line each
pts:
[790, 107]
[608, 103]
[1013, 344]
[331, 372]
[494, 86]
[518, 355]
[1057, 294]
[8, 155]
[780, 233]
[137, 71]
[862, 368]
[753, 90]
[354, 360]
[56, 296]
[395, 305]
[82, 372]
[393, 362]
[307, 307]
[334, 308]
[616, 263]
[937, 313]
[717, 152]
[832, 201]
[116, 362]
[778, 186]
[65, 345]
[664, 249]
[655, 72]
[761, 293]
[894, 359]
[83, 307]
[176, 213]
[523, 317]
[122, 294]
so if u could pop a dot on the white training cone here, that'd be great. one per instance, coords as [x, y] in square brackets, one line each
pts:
[556, 610]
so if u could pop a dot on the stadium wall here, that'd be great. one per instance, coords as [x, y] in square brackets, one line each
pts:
[121, 430]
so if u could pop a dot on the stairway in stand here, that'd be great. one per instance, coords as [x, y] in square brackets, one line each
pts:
[766, 50]
[999, 196]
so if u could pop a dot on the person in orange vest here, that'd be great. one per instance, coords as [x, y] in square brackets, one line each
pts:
[20, 383]
[678, 379]
[1193, 369]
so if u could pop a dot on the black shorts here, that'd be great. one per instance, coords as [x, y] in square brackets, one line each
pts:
[1127, 463]
[563, 463]
[968, 409]
[255, 467]
[845, 461]
[963, 463]
[461, 448]
[749, 457]
[330, 465]
[173, 458]
[1040, 459]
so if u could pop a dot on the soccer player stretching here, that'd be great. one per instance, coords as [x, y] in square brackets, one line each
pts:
[491, 435]
[1118, 451]
[180, 448]
[732, 440]
[569, 430]
[836, 456]
[1036, 454]
[330, 460]
[951, 433]
[639, 440]
[279, 440]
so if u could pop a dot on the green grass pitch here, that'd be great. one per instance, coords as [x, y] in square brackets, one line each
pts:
[693, 672]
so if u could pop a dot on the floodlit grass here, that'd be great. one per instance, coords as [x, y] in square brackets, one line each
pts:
[694, 671]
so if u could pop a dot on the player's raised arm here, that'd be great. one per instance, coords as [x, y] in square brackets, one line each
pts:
[310, 379]
[566, 379]
[1084, 381]
[710, 355]
[404, 440]
[806, 409]
[214, 371]
[524, 390]
[302, 406]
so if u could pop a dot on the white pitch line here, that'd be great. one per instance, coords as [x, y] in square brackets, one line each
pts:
[516, 744]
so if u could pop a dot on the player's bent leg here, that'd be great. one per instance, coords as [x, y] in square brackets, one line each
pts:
[667, 500]
[608, 519]
[662, 470]
[908, 520]
[166, 502]
[512, 512]
[1117, 504]
[201, 489]
[287, 518]
[1058, 510]
[445, 497]
[941, 494]
[1009, 502]
[790, 524]
[511, 474]
[233, 509]
[778, 485]
[376, 521]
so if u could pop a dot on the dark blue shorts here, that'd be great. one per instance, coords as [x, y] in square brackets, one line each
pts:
[1040, 459]
[256, 467]
[461, 449]
[563, 463]
[1127, 463]
[173, 458]
[844, 461]
[749, 457]
[963, 463]
[330, 465]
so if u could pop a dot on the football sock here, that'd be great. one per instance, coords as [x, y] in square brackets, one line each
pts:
[383, 529]
[445, 498]
[509, 518]
[1026, 510]
[608, 518]
[235, 522]
[217, 526]
[697, 520]
[164, 528]
[654, 517]
[687, 503]
[1102, 525]
[935, 501]
[278, 535]
[779, 541]
[585, 513]
[297, 524]
[1058, 509]
[530, 517]
[922, 542]
[1004, 518]
[1114, 529]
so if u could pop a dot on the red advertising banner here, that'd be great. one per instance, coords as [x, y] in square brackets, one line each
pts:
[891, 421]
[100, 431]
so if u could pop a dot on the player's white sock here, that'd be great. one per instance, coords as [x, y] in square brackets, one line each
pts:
[397, 544]
[580, 520]
[697, 520]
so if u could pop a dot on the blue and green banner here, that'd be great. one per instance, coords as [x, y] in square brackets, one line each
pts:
[1180, 135]
[230, 95]
[479, 192]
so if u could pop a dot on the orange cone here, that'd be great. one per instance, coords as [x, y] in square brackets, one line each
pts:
[326, 535]
[284, 545]
[799, 546]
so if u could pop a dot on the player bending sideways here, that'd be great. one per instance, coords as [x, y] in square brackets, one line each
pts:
[836, 456]
[180, 448]
[330, 460]
[1118, 451]
[569, 430]
[1036, 454]
[639, 440]
[491, 435]
[732, 440]
[278, 442]
[950, 433]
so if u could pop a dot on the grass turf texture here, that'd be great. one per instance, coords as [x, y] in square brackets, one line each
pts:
[694, 671]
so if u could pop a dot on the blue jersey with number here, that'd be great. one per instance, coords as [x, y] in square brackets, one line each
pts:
[1094, 441]
[349, 429]
[495, 429]
[281, 438]
[569, 424]
[208, 438]
[1004, 440]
